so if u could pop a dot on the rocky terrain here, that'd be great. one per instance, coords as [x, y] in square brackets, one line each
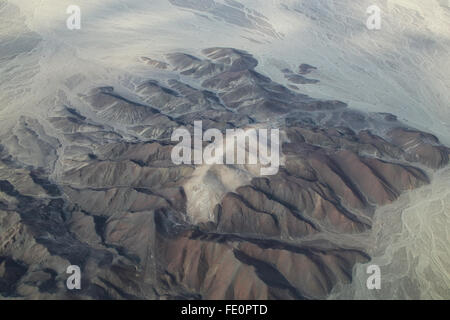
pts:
[92, 184]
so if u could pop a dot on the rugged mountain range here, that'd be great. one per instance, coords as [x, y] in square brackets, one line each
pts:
[93, 184]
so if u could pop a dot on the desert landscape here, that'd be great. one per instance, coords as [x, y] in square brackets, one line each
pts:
[87, 176]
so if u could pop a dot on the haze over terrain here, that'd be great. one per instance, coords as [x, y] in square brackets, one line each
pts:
[86, 176]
